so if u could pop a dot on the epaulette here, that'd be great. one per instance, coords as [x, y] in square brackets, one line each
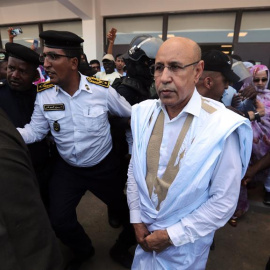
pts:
[43, 86]
[102, 83]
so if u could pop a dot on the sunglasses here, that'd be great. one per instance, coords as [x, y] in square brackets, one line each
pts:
[260, 79]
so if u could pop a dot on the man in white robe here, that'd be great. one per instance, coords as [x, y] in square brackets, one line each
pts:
[189, 154]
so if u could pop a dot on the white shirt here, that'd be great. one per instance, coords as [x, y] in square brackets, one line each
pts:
[108, 77]
[84, 138]
[228, 96]
[222, 192]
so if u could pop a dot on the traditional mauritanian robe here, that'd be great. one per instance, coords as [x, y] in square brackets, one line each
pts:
[197, 203]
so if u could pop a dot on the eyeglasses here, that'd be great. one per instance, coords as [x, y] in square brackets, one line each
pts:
[51, 56]
[260, 79]
[158, 69]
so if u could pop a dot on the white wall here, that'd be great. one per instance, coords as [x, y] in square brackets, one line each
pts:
[116, 7]
[36, 12]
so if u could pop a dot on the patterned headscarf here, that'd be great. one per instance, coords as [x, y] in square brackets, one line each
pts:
[255, 69]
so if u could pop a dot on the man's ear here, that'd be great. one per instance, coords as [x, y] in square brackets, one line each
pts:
[75, 63]
[208, 82]
[198, 71]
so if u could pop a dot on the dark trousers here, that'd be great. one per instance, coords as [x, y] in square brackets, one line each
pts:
[67, 187]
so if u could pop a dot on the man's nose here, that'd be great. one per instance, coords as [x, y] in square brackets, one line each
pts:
[46, 63]
[15, 74]
[166, 75]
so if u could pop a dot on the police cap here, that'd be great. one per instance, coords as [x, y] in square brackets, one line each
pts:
[61, 39]
[215, 60]
[21, 52]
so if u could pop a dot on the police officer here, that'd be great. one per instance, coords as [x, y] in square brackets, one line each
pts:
[75, 109]
[17, 98]
[135, 87]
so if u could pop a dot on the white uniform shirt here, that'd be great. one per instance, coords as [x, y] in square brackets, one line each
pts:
[226, 176]
[84, 138]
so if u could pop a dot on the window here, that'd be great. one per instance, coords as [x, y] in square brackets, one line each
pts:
[30, 32]
[203, 28]
[128, 28]
[255, 27]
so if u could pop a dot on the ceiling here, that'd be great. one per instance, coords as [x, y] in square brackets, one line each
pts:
[8, 3]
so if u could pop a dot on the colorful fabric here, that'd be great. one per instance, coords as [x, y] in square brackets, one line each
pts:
[261, 130]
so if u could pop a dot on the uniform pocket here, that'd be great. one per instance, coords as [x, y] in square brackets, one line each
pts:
[95, 117]
[55, 119]
[54, 115]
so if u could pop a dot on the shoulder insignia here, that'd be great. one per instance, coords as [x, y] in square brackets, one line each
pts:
[43, 86]
[102, 83]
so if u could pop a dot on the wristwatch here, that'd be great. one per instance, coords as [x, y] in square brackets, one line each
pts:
[257, 116]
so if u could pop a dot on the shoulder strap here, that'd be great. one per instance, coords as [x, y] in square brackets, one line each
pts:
[99, 82]
[43, 86]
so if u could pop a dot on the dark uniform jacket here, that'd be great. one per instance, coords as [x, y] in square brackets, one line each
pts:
[27, 240]
[19, 106]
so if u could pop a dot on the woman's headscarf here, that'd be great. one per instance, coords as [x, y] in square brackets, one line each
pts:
[255, 69]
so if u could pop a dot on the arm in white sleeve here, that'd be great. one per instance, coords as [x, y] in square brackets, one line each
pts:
[117, 104]
[133, 196]
[38, 127]
[224, 193]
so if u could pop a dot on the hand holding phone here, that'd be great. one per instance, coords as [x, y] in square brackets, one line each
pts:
[112, 34]
[16, 31]
[35, 43]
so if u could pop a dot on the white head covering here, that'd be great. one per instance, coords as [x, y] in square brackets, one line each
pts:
[248, 64]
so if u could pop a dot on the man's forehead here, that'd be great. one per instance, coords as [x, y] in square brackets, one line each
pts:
[173, 57]
[176, 50]
[53, 50]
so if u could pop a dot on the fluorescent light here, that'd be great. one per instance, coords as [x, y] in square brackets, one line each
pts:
[226, 52]
[168, 36]
[226, 46]
[241, 34]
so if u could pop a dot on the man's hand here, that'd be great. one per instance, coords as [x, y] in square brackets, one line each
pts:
[260, 108]
[249, 92]
[158, 240]
[10, 35]
[236, 100]
[141, 232]
[111, 35]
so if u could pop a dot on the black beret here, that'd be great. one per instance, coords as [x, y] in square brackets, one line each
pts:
[61, 39]
[21, 52]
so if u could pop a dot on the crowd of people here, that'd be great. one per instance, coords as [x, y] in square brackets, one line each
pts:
[130, 132]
